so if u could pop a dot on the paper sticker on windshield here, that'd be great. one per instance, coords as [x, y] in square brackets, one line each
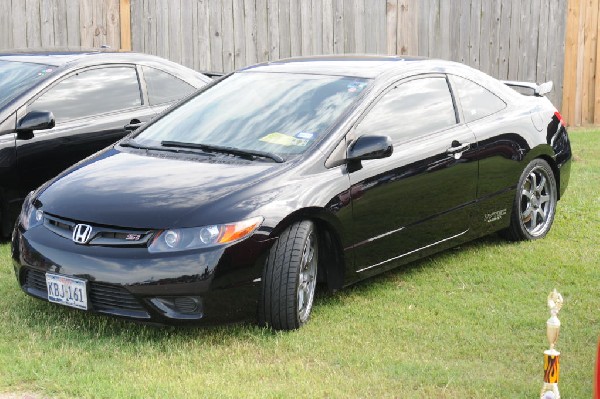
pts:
[356, 86]
[284, 139]
[45, 71]
[305, 135]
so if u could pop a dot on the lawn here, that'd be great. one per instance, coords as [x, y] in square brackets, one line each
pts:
[467, 323]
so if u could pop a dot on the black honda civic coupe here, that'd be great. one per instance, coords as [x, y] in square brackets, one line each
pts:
[238, 201]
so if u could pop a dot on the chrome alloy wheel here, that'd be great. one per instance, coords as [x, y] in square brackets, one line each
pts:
[538, 202]
[308, 277]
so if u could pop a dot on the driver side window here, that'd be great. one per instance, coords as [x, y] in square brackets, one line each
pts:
[91, 92]
[412, 109]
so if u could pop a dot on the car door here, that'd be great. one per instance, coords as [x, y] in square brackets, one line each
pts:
[419, 197]
[91, 107]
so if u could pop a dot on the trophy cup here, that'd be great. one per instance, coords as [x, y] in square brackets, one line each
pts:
[552, 356]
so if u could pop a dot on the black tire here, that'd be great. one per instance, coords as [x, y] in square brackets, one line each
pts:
[289, 278]
[534, 205]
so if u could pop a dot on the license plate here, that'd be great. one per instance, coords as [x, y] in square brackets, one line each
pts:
[67, 291]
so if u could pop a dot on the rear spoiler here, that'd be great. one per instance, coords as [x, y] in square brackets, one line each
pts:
[538, 90]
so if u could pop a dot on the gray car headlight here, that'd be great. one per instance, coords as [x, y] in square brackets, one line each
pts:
[30, 215]
[203, 237]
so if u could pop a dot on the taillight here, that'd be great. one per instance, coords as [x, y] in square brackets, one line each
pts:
[560, 118]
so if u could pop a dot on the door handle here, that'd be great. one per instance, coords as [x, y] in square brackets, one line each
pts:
[458, 148]
[133, 125]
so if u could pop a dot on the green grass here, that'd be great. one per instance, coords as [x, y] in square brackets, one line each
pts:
[467, 323]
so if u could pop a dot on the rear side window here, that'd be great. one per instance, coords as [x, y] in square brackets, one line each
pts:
[91, 92]
[477, 102]
[163, 87]
[411, 109]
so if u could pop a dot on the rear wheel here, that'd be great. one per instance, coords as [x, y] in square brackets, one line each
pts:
[535, 202]
[290, 278]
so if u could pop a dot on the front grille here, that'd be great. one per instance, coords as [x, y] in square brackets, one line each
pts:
[103, 297]
[101, 235]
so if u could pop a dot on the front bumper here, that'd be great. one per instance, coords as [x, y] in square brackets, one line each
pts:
[208, 286]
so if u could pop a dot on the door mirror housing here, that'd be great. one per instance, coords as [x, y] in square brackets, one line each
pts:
[36, 120]
[370, 147]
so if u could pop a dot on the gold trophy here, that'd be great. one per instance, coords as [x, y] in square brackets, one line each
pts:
[552, 356]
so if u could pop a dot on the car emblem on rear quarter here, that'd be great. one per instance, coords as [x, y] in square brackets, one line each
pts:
[82, 233]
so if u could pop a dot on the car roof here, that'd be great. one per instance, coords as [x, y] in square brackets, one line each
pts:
[71, 57]
[363, 66]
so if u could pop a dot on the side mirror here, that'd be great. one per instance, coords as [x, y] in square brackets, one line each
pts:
[36, 120]
[370, 147]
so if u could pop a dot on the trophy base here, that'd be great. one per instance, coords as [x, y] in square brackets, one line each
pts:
[550, 391]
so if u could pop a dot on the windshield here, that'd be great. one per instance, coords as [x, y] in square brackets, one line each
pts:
[277, 113]
[17, 77]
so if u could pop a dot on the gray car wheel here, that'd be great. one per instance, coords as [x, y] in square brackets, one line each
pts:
[290, 278]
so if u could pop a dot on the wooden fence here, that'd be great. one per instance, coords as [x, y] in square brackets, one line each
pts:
[581, 94]
[509, 39]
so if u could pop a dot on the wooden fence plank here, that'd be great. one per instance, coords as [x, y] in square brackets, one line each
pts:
[570, 76]
[202, 42]
[372, 27]
[359, 26]
[580, 60]
[125, 20]
[250, 30]
[47, 23]
[445, 22]
[137, 25]
[113, 25]
[328, 19]
[268, 25]
[6, 32]
[216, 36]
[295, 29]
[596, 117]
[495, 41]
[589, 64]
[515, 31]
[19, 29]
[338, 27]
[317, 23]
[556, 48]
[187, 33]
[228, 40]
[239, 34]
[349, 33]
[504, 39]
[285, 36]
[392, 26]
[60, 22]
[162, 28]
[454, 18]
[475, 34]
[306, 27]
[174, 29]
[73, 23]
[486, 39]
[99, 19]
[465, 31]
[32, 10]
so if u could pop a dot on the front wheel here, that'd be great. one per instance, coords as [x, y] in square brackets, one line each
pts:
[290, 278]
[535, 202]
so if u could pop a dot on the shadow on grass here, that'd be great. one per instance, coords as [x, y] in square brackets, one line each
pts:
[71, 324]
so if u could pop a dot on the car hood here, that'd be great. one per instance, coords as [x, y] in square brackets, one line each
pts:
[140, 191]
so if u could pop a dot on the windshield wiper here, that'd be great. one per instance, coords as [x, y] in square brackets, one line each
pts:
[132, 144]
[223, 149]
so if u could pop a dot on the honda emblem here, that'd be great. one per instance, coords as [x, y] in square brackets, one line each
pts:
[82, 233]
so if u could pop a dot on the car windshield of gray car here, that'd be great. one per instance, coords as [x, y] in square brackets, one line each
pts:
[17, 77]
[268, 115]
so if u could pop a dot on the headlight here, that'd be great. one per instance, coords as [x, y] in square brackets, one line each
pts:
[31, 215]
[203, 237]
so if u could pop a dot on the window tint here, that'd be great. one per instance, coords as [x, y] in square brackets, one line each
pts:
[413, 108]
[476, 101]
[164, 88]
[91, 92]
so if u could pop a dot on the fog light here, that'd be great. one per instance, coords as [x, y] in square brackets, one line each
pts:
[39, 215]
[182, 307]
